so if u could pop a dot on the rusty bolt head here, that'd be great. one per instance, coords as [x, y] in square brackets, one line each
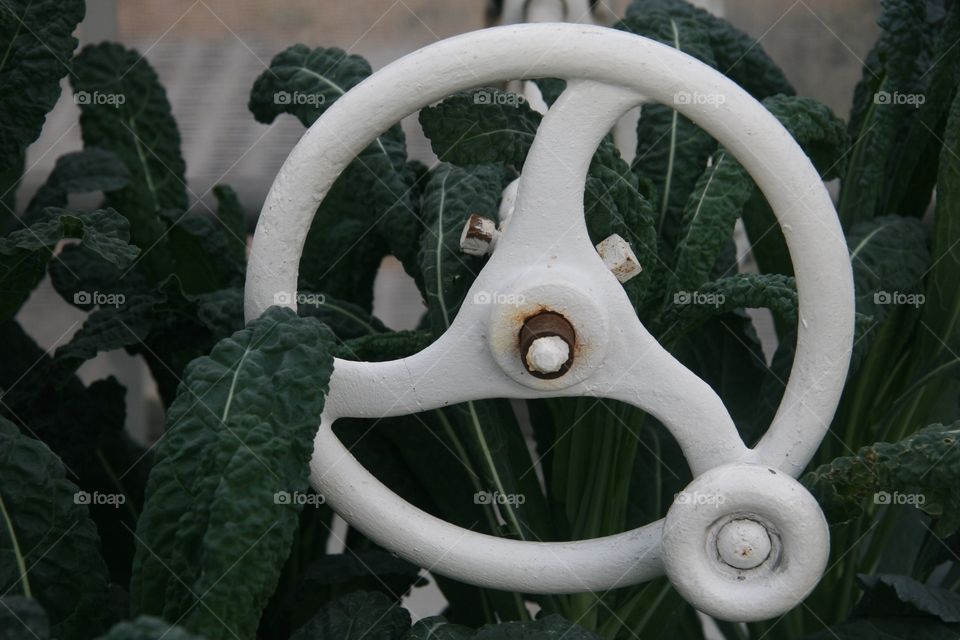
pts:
[547, 342]
[479, 235]
[619, 257]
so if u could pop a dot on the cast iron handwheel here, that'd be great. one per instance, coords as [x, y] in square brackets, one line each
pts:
[744, 541]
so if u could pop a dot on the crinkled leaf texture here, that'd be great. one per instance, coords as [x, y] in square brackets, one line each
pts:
[83, 171]
[304, 82]
[926, 463]
[738, 56]
[671, 150]
[104, 232]
[380, 347]
[481, 126]
[368, 212]
[366, 615]
[126, 111]
[346, 320]
[879, 123]
[24, 253]
[49, 549]
[451, 195]
[36, 37]
[708, 218]
[213, 536]
[741, 291]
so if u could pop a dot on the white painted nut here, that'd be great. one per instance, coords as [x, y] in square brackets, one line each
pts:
[619, 257]
[547, 355]
[479, 235]
[744, 542]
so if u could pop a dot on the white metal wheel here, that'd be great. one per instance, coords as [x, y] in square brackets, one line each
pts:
[546, 258]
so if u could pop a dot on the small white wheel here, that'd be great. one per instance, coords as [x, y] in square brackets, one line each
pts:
[545, 262]
[744, 542]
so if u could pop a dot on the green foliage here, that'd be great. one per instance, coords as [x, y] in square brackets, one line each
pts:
[36, 37]
[671, 150]
[886, 116]
[889, 257]
[127, 112]
[737, 55]
[84, 171]
[450, 196]
[361, 614]
[923, 465]
[368, 212]
[47, 535]
[232, 446]
[481, 126]
[708, 218]
[24, 253]
[202, 539]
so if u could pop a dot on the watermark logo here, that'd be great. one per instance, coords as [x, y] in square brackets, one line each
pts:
[295, 98]
[84, 98]
[303, 499]
[97, 498]
[285, 298]
[699, 298]
[496, 497]
[914, 300]
[493, 297]
[709, 99]
[99, 298]
[699, 499]
[885, 497]
[488, 96]
[912, 99]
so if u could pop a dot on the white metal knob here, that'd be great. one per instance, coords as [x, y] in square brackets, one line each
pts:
[743, 543]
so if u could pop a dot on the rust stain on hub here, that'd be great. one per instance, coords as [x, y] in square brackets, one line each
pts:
[545, 324]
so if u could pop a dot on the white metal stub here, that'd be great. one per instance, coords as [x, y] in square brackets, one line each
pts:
[479, 235]
[547, 355]
[714, 553]
[743, 543]
[619, 257]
